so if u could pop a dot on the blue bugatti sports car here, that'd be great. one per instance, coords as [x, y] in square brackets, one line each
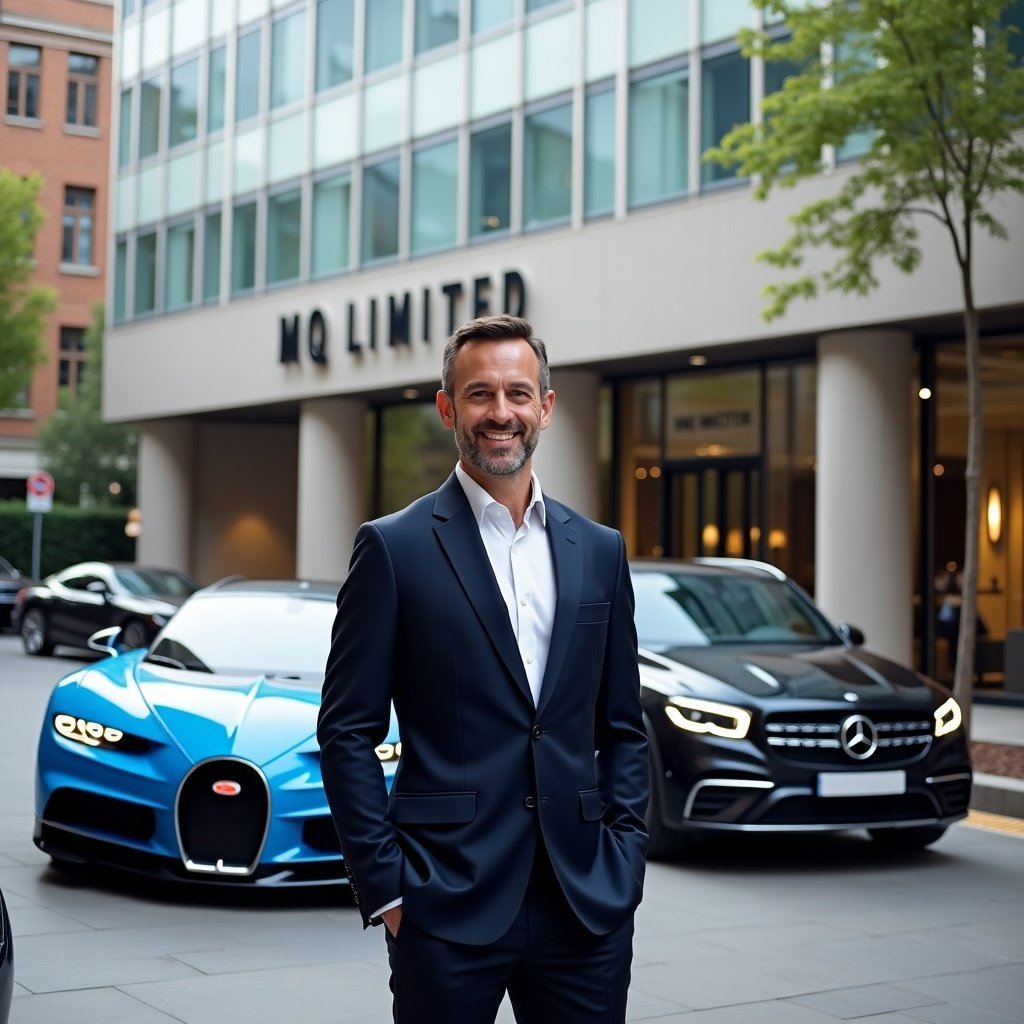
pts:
[196, 759]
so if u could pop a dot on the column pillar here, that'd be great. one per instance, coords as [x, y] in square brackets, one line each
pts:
[166, 482]
[332, 491]
[567, 456]
[863, 543]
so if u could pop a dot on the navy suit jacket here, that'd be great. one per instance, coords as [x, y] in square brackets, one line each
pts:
[483, 772]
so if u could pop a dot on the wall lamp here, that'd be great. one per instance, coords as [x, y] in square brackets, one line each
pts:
[994, 514]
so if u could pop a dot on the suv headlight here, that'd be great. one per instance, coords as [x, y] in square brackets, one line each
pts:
[710, 717]
[947, 718]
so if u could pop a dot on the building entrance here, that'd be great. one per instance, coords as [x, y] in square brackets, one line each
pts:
[713, 508]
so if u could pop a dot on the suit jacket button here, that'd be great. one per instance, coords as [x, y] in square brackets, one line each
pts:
[537, 732]
[530, 803]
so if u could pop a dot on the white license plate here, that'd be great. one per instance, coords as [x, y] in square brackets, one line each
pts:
[862, 783]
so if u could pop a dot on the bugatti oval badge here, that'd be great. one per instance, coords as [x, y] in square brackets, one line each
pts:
[227, 787]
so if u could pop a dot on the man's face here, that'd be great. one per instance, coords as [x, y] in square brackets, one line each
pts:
[498, 411]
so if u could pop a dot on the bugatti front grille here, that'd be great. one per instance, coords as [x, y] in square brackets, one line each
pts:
[825, 738]
[223, 814]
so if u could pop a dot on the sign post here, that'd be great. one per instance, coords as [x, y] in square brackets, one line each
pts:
[38, 500]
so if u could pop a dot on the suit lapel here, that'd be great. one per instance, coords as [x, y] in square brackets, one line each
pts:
[568, 563]
[459, 536]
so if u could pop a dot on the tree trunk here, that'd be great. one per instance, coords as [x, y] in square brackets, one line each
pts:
[963, 677]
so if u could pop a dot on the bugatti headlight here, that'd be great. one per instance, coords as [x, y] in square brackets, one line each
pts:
[947, 717]
[389, 752]
[708, 717]
[96, 734]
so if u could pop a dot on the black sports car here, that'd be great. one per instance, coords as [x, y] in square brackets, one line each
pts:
[6, 963]
[763, 717]
[68, 607]
[11, 581]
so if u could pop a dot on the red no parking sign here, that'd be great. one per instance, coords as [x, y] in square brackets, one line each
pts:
[39, 492]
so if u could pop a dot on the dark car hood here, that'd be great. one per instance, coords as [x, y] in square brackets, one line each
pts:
[833, 673]
[248, 716]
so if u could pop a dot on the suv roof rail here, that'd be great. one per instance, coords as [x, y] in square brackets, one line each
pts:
[224, 581]
[746, 564]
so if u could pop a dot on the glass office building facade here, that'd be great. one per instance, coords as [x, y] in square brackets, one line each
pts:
[310, 194]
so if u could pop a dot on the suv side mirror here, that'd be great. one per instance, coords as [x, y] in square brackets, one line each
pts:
[852, 635]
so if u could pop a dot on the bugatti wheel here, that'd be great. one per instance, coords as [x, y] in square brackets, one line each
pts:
[916, 838]
[34, 635]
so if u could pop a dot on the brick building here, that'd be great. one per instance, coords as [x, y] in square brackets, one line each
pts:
[56, 61]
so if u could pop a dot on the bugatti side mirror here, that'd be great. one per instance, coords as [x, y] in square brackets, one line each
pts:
[106, 641]
[852, 636]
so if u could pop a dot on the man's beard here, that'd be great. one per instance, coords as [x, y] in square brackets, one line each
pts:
[507, 462]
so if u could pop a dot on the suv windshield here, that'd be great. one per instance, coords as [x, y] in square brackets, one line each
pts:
[281, 635]
[680, 609]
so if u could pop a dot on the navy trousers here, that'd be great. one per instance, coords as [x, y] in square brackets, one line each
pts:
[553, 968]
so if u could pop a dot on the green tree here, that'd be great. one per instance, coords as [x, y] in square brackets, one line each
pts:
[84, 454]
[937, 91]
[23, 305]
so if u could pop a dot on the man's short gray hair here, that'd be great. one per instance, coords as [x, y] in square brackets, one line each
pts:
[500, 327]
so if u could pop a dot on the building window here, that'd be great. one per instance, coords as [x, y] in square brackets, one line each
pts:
[149, 117]
[72, 357]
[145, 273]
[415, 454]
[288, 60]
[284, 236]
[216, 89]
[77, 226]
[179, 265]
[536, 5]
[243, 248]
[83, 73]
[211, 256]
[437, 23]
[658, 146]
[334, 42]
[120, 280]
[599, 157]
[657, 29]
[184, 119]
[490, 164]
[383, 34]
[491, 13]
[724, 103]
[247, 77]
[1013, 16]
[547, 171]
[435, 187]
[380, 210]
[124, 129]
[331, 219]
[23, 64]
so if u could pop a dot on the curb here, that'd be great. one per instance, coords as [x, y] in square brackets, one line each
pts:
[998, 795]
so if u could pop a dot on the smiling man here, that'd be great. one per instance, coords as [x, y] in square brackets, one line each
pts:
[510, 855]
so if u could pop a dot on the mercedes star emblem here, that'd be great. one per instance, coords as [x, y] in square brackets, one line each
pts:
[859, 737]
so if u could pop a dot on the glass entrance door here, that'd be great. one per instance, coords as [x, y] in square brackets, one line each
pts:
[713, 508]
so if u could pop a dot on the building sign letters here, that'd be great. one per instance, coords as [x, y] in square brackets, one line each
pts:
[392, 316]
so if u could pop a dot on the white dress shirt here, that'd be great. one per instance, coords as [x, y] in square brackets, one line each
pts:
[525, 573]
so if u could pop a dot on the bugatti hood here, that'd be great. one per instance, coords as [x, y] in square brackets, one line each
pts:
[253, 717]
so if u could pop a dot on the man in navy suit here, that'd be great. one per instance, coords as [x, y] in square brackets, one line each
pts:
[510, 855]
